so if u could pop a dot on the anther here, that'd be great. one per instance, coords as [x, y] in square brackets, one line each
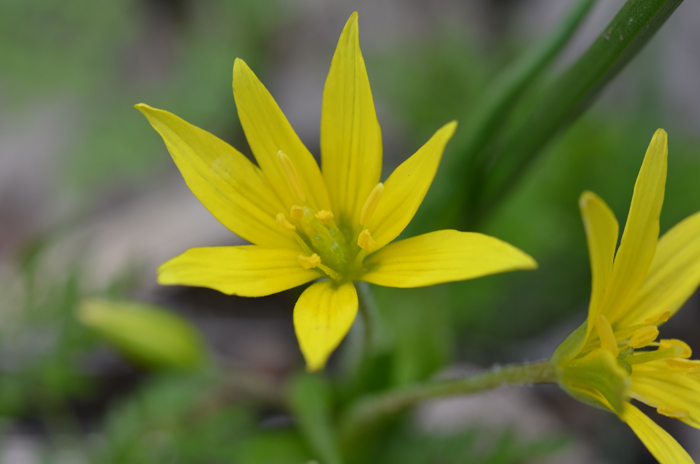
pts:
[297, 212]
[290, 173]
[674, 413]
[365, 241]
[309, 262]
[607, 337]
[371, 204]
[643, 337]
[324, 216]
[685, 351]
[660, 319]
[282, 219]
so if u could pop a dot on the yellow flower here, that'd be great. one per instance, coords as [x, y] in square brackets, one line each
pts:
[307, 224]
[614, 356]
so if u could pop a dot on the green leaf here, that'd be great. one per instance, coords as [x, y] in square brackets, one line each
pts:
[565, 99]
[311, 401]
[145, 333]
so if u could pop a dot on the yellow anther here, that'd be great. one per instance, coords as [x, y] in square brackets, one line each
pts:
[290, 173]
[643, 337]
[365, 241]
[674, 413]
[606, 335]
[309, 262]
[297, 212]
[371, 204]
[685, 364]
[324, 216]
[282, 219]
[668, 343]
[660, 319]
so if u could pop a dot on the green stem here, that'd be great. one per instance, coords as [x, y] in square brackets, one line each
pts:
[372, 409]
[370, 317]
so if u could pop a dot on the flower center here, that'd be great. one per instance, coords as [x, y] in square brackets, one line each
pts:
[626, 344]
[337, 253]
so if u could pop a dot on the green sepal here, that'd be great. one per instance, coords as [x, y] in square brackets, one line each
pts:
[571, 346]
[596, 379]
[146, 334]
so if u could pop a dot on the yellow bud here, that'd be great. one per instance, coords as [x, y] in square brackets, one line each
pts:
[309, 262]
[371, 204]
[643, 337]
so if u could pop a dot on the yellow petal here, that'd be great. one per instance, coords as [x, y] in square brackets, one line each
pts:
[663, 446]
[674, 274]
[322, 317]
[268, 132]
[601, 234]
[443, 256]
[351, 139]
[670, 384]
[405, 189]
[641, 233]
[232, 188]
[241, 270]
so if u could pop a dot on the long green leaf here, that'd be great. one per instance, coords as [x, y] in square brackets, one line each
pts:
[572, 93]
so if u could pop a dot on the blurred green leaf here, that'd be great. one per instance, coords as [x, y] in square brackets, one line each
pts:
[311, 399]
[146, 333]
[565, 99]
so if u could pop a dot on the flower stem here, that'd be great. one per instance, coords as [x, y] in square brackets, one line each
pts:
[370, 317]
[371, 409]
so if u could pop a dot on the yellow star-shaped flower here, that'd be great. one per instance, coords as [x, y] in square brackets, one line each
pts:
[306, 224]
[614, 356]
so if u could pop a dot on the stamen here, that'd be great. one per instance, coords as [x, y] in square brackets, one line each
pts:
[674, 413]
[371, 204]
[686, 352]
[290, 173]
[365, 241]
[648, 356]
[297, 212]
[330, 272]
[309, 262]
[324, 216]
[282, 219]
[607, 337]
[661, 318]
[643, 337]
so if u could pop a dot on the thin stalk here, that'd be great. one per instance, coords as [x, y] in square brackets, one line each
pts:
[370, 317]
[372, 409]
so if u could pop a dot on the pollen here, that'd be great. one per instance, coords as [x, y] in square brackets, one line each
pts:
[297, 212]
[674, 413]
[607, 337]
[643, 337]
[365, 241]
[282, 219]
[290, 173]
[371, 204]
[668, 343]
[324, 216]
[309, 262]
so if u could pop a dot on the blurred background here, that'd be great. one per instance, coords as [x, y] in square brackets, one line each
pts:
[91, 204]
